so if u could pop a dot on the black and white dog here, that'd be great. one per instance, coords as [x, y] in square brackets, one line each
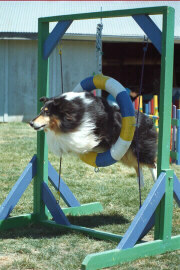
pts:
[82, 122]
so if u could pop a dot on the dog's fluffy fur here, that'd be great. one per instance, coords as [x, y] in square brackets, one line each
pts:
[82, 122]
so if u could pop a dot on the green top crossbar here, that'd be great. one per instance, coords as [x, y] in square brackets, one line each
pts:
[108, 14]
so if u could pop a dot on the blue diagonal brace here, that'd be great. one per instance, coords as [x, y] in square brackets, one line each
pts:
[53, 38]
[65, 192]
[151, 222]
[148, 227]
[18, 189]
[53, 206]
[177, 190]
[151, 30]
[144, 214]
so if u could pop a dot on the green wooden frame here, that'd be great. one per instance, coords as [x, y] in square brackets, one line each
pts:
[163, 240]
[164, 211]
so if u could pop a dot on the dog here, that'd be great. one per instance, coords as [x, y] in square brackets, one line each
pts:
[81, 122]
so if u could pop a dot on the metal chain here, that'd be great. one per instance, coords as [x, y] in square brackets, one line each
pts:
[62, 90]
[137, 123]
[59, 180]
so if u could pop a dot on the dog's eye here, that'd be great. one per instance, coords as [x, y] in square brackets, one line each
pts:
[46, 111]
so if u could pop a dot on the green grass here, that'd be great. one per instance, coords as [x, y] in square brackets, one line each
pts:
[36, 247]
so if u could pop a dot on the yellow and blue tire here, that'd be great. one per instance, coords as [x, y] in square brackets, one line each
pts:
[123, 100]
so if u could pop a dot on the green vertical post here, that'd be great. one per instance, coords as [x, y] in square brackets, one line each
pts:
[42, 151]
[165, 120]
[167, 208]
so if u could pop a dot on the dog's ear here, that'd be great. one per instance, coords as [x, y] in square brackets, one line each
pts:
[43, 99]
[56, 101]
[69, 117]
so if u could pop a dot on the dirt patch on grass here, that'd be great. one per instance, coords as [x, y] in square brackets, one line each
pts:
[6, 260]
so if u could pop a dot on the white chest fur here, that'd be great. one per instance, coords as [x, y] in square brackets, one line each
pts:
[80, 141]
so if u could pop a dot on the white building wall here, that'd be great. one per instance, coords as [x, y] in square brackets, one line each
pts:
[79, 62]
[19, 80]
[2, 80]
[18, 74]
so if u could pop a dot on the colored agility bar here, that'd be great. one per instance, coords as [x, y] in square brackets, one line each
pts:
[122, 99]
[178, 138]
[88, 84]
[121, 146]
[91, 83]
[156, 113]
[146, 107]
[152, 116]
[127, 133]
[98, 160]
[100, 81]
[89, 158]
[105, 159]
[141, 104]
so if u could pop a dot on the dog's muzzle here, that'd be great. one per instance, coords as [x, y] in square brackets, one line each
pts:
[31, 123]
[36, 127]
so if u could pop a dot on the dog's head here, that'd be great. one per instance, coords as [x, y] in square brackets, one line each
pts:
[61, 114]
[46, 116]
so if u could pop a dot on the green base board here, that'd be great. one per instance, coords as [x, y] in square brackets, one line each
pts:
[84, 209]
[17, 221]
[91, 232]
[26, 219]
[115, 257]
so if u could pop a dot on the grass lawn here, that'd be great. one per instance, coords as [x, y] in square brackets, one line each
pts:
[36, 247]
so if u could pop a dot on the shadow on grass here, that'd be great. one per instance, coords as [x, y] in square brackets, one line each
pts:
[98, 220]
[37, 231]
[34, 231]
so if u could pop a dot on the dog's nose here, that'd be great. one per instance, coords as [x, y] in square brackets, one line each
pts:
[31, 123]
